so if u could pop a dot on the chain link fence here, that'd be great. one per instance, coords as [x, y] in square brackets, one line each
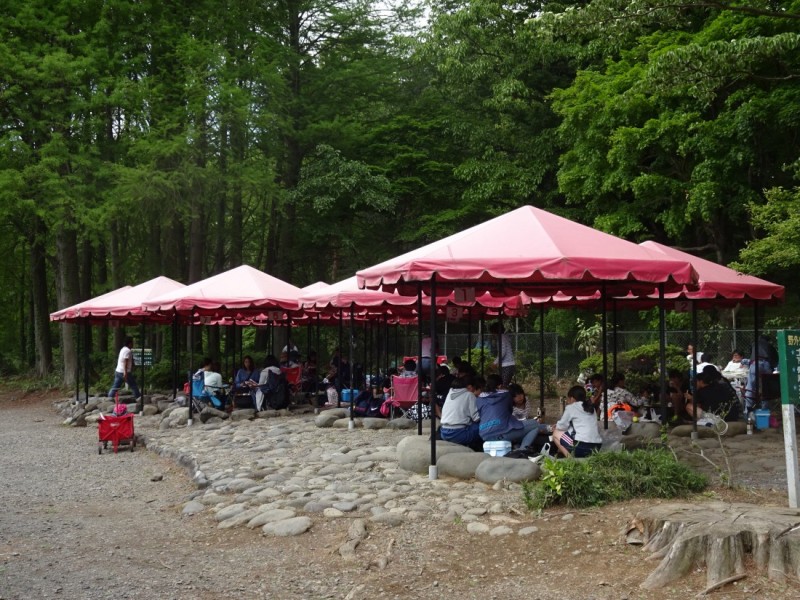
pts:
[563, 359]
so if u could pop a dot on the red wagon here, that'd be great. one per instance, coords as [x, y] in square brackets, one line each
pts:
[117, 430]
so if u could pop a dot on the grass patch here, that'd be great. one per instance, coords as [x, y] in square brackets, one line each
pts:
[611, 477]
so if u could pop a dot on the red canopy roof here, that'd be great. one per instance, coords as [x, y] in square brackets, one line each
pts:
[531, 249]
[70, 313]
[128, 304]
[240, 289]
[346, 295]
[723, 285]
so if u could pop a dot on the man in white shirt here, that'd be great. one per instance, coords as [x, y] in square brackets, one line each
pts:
[124, 371]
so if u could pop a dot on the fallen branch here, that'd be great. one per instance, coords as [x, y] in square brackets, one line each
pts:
[719, 584]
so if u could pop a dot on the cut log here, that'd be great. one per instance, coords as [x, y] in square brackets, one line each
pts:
[718, 536]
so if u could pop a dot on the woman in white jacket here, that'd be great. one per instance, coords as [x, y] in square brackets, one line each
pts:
[460, 414]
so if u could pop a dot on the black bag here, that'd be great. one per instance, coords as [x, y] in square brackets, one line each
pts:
[367, 405]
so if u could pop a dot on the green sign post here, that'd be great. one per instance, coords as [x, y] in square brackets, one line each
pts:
[789, 356]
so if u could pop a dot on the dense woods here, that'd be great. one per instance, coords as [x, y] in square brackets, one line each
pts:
[310, 138]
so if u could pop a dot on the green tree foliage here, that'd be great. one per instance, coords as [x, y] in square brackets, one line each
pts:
[680, 128]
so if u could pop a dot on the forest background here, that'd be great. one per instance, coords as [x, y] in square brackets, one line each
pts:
[311, 138]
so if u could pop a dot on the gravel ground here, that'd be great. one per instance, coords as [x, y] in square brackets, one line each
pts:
[79, 525]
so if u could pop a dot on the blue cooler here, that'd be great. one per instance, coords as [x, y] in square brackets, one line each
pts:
[762, 418]
[348, 395]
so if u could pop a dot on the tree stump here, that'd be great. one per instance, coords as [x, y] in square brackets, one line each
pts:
[718, 535]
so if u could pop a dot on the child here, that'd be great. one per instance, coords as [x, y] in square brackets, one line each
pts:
[521, 409]
[576, 431]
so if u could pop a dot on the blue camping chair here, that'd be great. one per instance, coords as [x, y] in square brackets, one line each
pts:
[199, 392]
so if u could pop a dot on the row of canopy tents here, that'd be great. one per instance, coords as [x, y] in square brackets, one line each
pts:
[526, 257]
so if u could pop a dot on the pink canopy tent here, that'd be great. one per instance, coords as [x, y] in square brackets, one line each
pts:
[127, 306]
[535, 251]
[70, 313]
[346, 295]
[719, 285]
[231, 293]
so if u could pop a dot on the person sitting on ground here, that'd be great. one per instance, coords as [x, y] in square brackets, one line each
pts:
[460, 415]
[268, 381]
[577, 432]
[409, 368]
[618, 397]
[441, 387]
[309, 373]
[521, 407]
[714, 396]
[597, 383]
[456, 363]
[496, 421]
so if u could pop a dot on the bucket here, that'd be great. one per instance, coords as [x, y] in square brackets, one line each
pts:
[497, 448]
[348, 395]
[762, 418]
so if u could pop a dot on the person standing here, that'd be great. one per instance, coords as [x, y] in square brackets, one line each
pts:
[505, 361]
[124, 371]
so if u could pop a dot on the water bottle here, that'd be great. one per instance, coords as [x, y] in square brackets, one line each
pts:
[750, 420]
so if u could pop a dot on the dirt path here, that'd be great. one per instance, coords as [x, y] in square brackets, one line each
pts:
[78, 525]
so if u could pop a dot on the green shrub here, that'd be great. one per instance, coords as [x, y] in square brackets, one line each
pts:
[639, 364]
[611, 477]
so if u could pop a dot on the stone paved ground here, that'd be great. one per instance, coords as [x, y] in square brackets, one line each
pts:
[79, 525]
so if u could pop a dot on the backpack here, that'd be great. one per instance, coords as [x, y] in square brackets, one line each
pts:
[278, 395]
[366, 405]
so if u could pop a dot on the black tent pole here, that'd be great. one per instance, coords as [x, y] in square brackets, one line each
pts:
[77, 338]
[481, 333]
[694, 367]
[432, 469]
[419, 359]
[87, 341]
[141, 390]
[614, 341]
[541, 360]
[662, 352]
[605, 357]
[352, 424]
[469, 336]
[339, 382]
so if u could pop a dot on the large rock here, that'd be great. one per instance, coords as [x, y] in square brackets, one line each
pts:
[644, 430]
[270, 516]
[401, 423]
[210, 412]
[498, 468]
[372, 423]
[326, 419]
[243, 414]
[345, 423]
[414, 452]
[288, 527]
[459, 464]
[734, 429]
[149, 410]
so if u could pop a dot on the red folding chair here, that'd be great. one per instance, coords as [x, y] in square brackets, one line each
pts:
[405, 391]
[294, 379]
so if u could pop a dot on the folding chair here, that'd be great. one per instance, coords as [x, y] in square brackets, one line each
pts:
[201, 394]
[404, 394]
[294, 379]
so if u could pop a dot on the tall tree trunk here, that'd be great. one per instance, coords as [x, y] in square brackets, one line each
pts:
[87, 253]
[102, 280]
[41, 313]
[67, 294]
